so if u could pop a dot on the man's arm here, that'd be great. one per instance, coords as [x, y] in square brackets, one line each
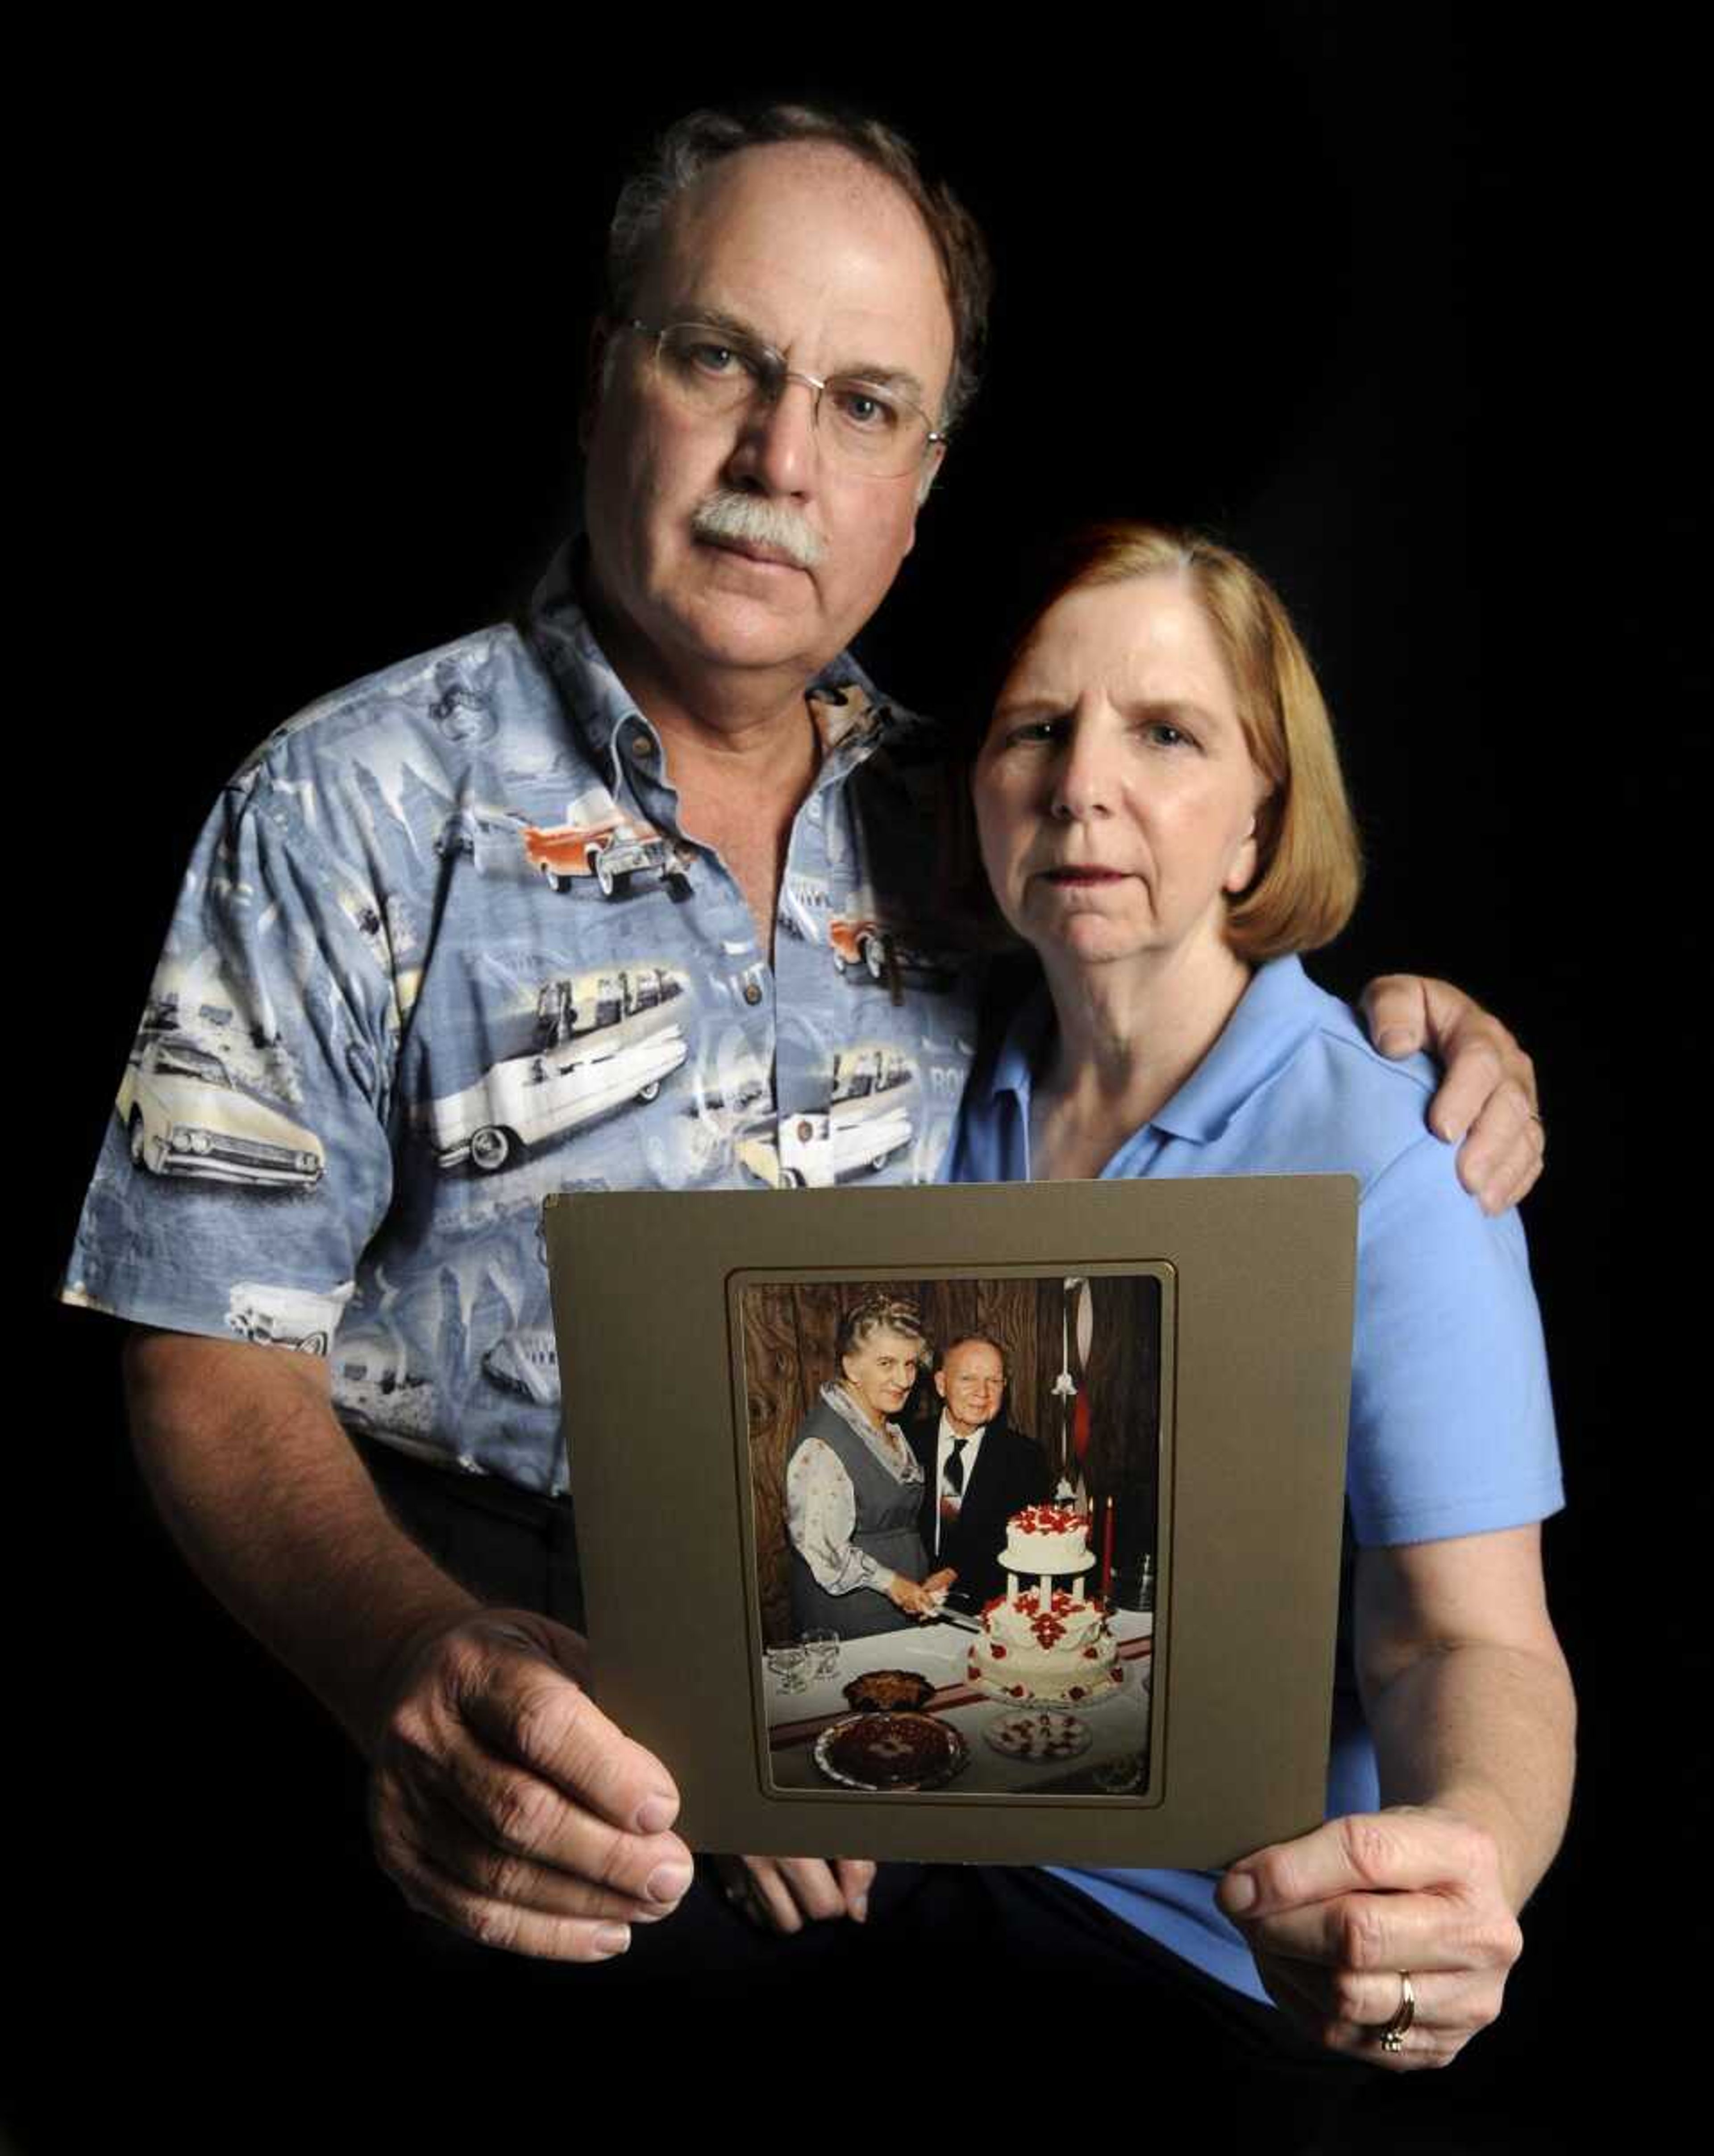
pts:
[502, 1800]
[1486, 1105]
[1471, 1706]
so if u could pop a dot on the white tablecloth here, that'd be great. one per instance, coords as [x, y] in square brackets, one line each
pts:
[1118, 1724]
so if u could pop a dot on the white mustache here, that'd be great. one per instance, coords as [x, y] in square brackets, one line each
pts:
[754, 520]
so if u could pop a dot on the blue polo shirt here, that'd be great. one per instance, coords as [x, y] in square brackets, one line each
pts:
[1451, 1428]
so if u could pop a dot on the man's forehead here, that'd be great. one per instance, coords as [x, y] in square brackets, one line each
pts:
[975, 1358]
[801, 240]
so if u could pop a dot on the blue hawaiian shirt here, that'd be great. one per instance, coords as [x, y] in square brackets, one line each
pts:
[444, 947]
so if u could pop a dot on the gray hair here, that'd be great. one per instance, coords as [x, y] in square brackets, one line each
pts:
[877, 1312]
[691, 144]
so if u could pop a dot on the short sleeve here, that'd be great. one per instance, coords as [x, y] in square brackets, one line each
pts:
[1451, 1415]
[248, 1162]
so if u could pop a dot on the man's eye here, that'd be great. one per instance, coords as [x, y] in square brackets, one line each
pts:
[1034, 733]
[710, 358]
[864, 408]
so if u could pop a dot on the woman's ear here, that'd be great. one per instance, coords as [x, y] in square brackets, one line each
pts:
[1241, 873]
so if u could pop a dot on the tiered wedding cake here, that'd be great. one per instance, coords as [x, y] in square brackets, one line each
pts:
[1043, 1641]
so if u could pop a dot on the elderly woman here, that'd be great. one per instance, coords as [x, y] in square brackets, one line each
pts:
[853, 1488]
[1161, 819]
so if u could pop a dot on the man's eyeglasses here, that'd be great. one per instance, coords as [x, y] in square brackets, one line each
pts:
[866, 426]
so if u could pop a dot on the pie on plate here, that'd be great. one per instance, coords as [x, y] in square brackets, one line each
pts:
[878, 1752]
[889, 1691]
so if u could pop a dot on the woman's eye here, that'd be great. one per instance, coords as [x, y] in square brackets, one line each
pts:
[1167, 735]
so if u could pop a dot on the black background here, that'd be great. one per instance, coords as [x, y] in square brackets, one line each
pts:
[1397, 312]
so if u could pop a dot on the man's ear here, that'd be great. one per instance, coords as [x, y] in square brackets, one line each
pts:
[595, 366]
[931, 471]
[940, 1383]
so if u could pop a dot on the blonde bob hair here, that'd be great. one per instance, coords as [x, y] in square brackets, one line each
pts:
[1309, 865]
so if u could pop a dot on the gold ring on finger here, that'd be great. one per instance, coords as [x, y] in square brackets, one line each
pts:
[1392, 2037]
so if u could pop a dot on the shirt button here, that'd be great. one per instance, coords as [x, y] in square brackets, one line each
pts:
[642, 744]
[752, 992]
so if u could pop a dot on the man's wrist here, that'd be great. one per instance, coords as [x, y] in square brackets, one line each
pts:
[442, 1604]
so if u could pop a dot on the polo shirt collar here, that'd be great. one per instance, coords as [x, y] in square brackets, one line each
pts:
[1281, 1006]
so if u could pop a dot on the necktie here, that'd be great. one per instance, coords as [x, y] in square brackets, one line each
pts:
[955, 1465]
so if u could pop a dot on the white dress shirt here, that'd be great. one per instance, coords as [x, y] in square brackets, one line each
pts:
[942, 1453]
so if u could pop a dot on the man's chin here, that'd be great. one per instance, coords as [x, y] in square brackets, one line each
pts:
[773, 629]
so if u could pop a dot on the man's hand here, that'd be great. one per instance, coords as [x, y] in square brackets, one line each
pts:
[1487, 1098]
[505, 1803]
[1337, 1916]
[783, 1893]
[937, 1583]
[502, 1800]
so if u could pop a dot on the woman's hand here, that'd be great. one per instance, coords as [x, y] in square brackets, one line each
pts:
[784, 1893]
[1469, 1705]
[916, 1597]
[1337, 1919]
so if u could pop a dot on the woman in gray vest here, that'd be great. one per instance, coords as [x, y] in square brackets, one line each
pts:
[853, 1488]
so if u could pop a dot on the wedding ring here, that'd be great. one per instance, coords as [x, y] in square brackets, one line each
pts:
[1392, 2037]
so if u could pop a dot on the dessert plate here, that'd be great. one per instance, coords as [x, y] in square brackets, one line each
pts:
[1038, 1735]
[891, 1752]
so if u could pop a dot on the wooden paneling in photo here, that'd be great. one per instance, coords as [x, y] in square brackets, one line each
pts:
[789, 1332]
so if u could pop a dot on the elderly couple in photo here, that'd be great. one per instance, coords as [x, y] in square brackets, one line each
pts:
[792, 324]
[887, 1522]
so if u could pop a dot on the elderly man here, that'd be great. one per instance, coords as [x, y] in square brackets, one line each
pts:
[978, 1470]
[638, 897]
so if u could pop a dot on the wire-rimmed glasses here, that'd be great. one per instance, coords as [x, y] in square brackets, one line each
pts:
[868, 426]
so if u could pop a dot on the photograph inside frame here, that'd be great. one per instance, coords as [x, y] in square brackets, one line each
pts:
[957, 1488]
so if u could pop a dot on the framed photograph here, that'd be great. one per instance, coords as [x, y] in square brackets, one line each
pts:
[995, 1523]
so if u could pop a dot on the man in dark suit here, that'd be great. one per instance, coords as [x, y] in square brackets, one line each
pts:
[977, 1470]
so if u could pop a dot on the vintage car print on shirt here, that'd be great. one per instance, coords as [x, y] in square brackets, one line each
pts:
[624, 1003]
[610, 1038]
[527, 1361]
[599, 839]
[842, 711]
[862, 944]
[183, 1115]
[286, 1316]
[866, 1122]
